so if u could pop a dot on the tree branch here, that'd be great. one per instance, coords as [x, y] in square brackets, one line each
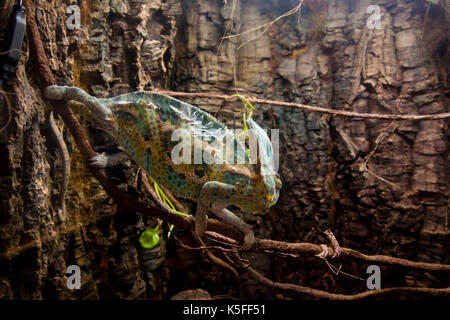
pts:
[309, 248]
[319, 294]
[342, 113]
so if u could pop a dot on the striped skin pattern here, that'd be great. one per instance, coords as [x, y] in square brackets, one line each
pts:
[143, 123]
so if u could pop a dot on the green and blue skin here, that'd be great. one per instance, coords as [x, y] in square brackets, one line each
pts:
[142, 124]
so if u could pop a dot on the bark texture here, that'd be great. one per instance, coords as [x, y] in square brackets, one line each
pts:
[327, 58]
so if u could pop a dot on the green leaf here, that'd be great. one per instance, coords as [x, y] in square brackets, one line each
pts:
[149, 238]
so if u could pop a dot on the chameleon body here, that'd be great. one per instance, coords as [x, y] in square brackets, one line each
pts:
[142, 123]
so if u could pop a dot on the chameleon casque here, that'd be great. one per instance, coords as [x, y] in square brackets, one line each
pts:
[142, 124]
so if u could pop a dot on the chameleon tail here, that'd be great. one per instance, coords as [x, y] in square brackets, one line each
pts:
[65, 163]
[79, 95]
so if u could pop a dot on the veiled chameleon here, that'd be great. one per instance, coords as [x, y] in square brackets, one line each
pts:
[143, 123]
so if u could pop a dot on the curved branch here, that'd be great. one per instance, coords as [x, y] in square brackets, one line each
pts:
[319, 294]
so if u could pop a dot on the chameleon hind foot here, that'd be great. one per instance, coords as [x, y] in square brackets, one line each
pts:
[100, 161]
[103, 160]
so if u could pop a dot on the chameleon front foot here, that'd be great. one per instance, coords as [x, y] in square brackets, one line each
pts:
[226, 215]
[334, 243]
[249, 237]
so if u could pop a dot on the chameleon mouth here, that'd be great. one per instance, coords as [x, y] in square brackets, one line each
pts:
[272, 189]
[272, 198]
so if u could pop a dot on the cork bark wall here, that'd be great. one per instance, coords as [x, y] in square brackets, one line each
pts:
[328, 58]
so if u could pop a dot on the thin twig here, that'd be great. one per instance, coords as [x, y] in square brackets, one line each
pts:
[218, 261]
[438, 116]
[230, 21]
[378, 140]
[265, 26]
[337, 271]
[202, 247]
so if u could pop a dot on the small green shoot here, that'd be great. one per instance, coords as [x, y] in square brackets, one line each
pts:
[248, 108]
[150, 237]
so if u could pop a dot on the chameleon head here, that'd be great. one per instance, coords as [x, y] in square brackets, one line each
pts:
[264, 192]
[272, 186]
[264, 189]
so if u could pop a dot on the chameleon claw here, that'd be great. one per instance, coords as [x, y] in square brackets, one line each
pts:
[99, 161]
[325, 251]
